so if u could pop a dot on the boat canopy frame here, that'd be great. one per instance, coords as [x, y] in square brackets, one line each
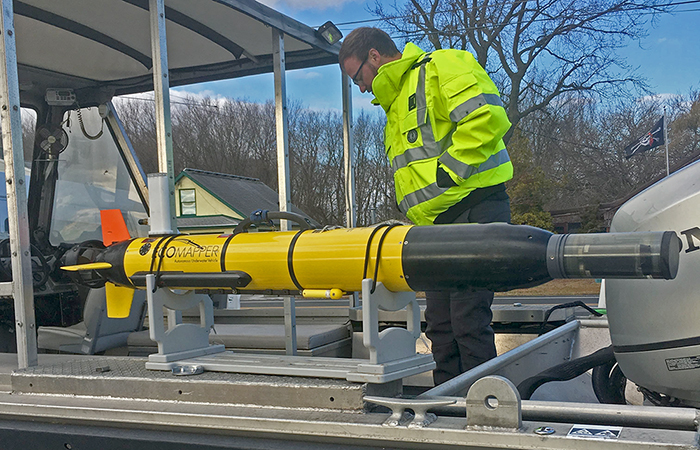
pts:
[85, 47]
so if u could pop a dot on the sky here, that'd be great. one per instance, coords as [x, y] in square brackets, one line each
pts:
[669, 58]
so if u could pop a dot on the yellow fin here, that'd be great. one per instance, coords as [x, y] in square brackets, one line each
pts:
[88, 266]
[119, 300]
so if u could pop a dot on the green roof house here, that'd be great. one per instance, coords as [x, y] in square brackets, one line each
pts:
[210, 202]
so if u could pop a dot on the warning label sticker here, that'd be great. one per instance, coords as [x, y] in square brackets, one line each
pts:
[594, 432]
[689, 362]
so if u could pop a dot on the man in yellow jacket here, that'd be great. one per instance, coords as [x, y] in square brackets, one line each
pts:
[443, 138]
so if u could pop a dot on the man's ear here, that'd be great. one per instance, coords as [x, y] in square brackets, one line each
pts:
[374, 55]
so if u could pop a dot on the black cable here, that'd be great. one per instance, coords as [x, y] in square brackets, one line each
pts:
[224, 248]
[290, 260]
[658, 399]
[566, 371]
[379, 252]
[609, 383]
[369, 246]
[566, 305]
[154, 254]
[160, 261]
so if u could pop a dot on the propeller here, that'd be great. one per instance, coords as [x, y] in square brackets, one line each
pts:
[84, 267]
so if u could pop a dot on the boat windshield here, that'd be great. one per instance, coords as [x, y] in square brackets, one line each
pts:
[92, 176]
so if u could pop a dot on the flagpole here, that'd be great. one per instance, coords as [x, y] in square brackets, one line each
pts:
[668, 172]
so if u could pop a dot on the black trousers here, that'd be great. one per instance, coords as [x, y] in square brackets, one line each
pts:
[459, 322]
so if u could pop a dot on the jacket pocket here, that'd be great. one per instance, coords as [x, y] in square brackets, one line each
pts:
[442, 178]
[409, 130]
[458, 84]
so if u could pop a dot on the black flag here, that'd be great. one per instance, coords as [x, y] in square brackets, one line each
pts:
[652, 139]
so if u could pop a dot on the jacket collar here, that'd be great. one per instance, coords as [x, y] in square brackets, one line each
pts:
[387, 84]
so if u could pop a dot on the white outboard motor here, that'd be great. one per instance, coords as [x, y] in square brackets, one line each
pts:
[655, 324]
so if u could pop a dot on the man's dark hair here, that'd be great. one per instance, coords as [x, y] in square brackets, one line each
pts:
[361, 40]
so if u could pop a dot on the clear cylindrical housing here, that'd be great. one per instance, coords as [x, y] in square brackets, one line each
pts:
[159, 192]
[614, 255]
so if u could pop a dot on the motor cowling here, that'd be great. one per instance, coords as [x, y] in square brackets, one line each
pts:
[655, 324]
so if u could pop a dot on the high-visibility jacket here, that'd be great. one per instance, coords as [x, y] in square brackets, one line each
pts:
[445, 124]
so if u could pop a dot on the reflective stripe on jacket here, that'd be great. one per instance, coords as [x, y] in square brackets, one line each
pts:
[445, 124]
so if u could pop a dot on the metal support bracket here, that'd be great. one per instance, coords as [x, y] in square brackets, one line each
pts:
[393, 351]
[290, 326]
[393, 343]
[180, 340]
[494, 401]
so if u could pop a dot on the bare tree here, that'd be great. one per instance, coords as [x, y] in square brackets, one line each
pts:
[535, 50]
[238, 137]
[567, 154]
[684, 130]
[374, 190]
[315, 141]
[579, 147]
[138, 117]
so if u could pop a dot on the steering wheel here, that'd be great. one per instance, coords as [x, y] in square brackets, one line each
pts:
[40, 267]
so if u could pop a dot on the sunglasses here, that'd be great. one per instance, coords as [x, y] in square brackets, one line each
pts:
[354, 79]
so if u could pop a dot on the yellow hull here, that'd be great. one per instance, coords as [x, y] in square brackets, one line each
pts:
[319, 259]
